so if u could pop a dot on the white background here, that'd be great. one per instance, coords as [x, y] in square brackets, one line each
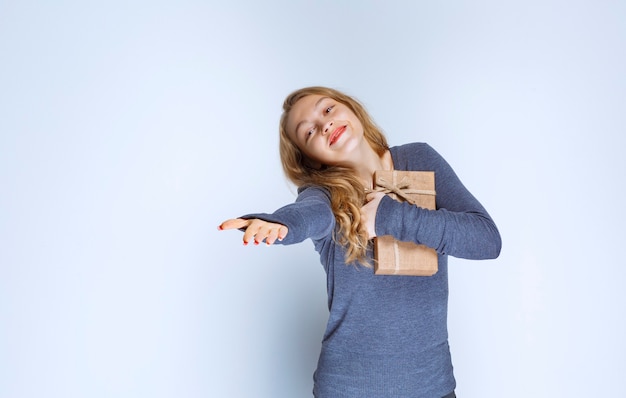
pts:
[130, 129]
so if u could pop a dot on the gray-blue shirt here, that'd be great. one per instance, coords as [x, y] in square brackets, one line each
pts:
[387, 335]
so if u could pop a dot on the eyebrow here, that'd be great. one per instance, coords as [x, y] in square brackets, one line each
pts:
[317, 103]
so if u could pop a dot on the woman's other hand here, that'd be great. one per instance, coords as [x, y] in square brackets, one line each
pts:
[256, 230]
[368, 212]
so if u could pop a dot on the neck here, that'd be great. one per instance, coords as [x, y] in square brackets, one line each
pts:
[370, 164]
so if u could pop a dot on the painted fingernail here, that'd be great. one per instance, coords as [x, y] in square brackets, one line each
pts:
[245, 243]
[256, 243]
[220, 227]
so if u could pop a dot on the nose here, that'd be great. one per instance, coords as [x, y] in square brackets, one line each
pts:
[328, 127]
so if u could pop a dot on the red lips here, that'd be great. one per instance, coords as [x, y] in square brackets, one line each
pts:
[336, 134]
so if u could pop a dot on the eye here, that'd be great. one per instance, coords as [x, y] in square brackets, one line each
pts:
[308, 133]
[330, 108]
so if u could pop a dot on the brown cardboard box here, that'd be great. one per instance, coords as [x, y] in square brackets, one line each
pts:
[394, 257]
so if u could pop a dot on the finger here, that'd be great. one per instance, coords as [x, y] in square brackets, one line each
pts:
[251, 232]
[277, 232]
[266, 231]
[272, 235]
[282, 232]
[235, 223]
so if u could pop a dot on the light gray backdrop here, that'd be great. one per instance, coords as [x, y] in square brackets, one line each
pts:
[130, 129]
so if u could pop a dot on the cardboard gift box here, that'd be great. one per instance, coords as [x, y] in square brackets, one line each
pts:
[395, 257]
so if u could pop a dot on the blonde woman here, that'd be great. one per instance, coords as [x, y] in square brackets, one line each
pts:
[386, 335]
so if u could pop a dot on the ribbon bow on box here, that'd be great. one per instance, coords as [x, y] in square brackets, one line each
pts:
[402, 189]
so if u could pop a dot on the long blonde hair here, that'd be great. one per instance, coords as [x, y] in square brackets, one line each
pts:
[347, 192]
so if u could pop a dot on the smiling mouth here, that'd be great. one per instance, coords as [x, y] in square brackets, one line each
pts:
[336, 134]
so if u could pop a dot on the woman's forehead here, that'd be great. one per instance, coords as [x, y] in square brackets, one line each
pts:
[307, 104]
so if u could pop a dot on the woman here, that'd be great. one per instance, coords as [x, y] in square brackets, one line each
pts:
[386, 335]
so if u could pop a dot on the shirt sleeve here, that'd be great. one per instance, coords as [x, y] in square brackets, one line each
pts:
[460, 226]
[310, 216]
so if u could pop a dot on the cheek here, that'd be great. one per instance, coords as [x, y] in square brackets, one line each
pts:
[314, 150]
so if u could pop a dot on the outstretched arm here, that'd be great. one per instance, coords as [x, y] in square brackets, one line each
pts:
[256, 230]
[310, 216]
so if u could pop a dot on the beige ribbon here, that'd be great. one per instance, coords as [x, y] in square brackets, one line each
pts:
[396, 257]
[401, 188]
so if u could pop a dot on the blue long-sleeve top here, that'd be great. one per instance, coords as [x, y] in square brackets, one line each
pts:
[387, 335]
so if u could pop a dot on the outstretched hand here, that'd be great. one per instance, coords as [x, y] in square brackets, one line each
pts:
[256, 230]
[368, 212]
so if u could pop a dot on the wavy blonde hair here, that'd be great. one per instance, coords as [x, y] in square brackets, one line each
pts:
[347, 193]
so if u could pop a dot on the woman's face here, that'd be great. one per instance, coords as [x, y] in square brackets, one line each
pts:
[325, 130]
